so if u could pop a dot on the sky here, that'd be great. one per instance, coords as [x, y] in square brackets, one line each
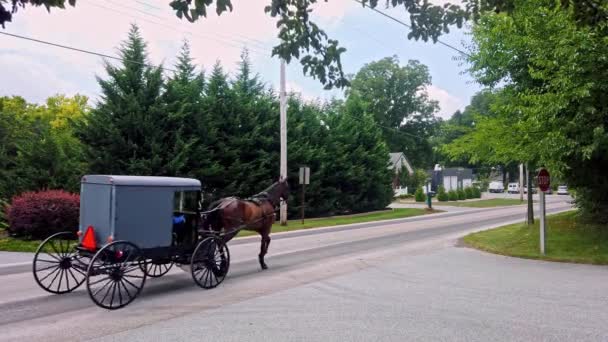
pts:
[36, 71]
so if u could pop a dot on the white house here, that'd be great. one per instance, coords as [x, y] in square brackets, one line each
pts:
[399, 163]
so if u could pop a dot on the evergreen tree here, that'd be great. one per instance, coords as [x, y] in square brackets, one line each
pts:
[128, 131]
[360, 160]
[187, 126]
[307, 139]
[219, 111]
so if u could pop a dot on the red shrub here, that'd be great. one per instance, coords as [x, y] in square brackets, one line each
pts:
[37, 215]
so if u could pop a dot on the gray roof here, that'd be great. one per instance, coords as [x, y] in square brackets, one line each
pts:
[398, 159]
[142, 181]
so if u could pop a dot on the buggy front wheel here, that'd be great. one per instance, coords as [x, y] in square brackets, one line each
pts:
[116, 275]
[210, 262]
[58, 267]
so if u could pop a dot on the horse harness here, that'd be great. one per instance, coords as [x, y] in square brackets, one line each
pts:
[259, 201]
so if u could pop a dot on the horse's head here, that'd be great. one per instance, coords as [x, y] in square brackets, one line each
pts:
[283, 189]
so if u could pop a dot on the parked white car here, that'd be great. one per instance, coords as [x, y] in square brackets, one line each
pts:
[513, 188]
[496, 187]
[562, 190]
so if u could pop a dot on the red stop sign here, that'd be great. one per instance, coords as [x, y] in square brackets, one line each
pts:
[543, 180]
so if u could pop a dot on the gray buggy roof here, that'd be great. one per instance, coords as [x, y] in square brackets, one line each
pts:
[141, 181]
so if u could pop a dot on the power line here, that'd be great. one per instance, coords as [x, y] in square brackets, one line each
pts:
[401, 22]
[67, 47]
[222, 41]
[261, 44]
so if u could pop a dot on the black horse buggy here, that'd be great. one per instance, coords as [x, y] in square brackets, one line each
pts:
[131, 228]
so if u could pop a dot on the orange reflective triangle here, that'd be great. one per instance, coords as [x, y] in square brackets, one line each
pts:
[88, 241]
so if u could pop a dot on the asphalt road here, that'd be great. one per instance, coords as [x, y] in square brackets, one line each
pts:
[397, 280]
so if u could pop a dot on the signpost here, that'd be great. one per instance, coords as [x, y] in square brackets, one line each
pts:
[543, 179]
[304, 179]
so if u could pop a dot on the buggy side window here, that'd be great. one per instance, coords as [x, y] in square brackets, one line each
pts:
[185, 202]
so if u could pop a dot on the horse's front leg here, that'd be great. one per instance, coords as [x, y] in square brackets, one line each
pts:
[264, 248]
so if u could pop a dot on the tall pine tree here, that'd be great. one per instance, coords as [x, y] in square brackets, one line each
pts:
[187, 126]
[127, 132]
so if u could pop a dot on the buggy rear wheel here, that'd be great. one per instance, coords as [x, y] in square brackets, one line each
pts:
[157, 269]
[116, 275]
[210, 262]
[58, 267]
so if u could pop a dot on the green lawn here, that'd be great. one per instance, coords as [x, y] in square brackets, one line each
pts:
[339, 220]
[488, 203]
[17, 245]
[569, 239]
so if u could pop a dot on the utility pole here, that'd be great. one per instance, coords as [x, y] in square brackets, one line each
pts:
[521, 182]
[283, 116]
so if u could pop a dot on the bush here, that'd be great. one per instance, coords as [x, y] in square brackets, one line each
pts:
[461, 195]
[405, 196]
[476, 192]
[3, 207]
[419, 195]
[36, 215]
[442, 196]
[468, 193]
[452, 195]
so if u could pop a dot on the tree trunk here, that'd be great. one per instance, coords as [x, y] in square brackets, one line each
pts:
[530, 203]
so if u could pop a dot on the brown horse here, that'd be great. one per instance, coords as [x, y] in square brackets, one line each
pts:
[231, 214]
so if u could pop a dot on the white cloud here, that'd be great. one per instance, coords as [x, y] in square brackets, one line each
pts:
[28, 77]
[330, 13]
[102, 26]
[448, 103]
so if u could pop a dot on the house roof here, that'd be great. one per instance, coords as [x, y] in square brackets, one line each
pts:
[397, 160]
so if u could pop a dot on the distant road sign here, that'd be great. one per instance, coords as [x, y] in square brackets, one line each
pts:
[304, 175]
[543, 180]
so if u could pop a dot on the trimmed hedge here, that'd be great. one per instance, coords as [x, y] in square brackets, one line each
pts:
[476, 192]
[461, 195]
[419, 195]
[442, 196]
[452, 195]
[468, 193]
[36, 215]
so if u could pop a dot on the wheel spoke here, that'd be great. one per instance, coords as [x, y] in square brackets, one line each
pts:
[107, 292]
[119, 292]
[79, 271]
[52, 244]
[46, 268]
[67, 280]
[55, 277]
[98, 281]
[53, 256]
[48, 261]
[60, 279]
[133, 276]
[125, 287]
[46, 276]
[113, 292]
[130, 283]
[108, 281]
[73, 277]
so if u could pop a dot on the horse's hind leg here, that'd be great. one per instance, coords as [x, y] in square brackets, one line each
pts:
[264, 248]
